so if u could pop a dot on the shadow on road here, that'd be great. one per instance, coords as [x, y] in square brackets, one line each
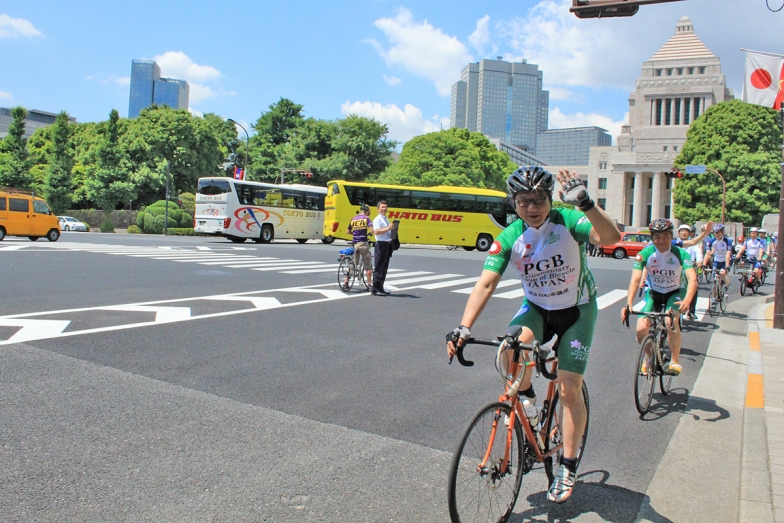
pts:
[591, 494]
[678, 401]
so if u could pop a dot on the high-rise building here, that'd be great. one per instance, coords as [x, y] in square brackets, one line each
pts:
[679, 82]
[502, 100]
[570, 146]
[35, 119]
[147, 88]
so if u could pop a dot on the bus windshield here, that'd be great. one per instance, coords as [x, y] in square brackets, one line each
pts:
[209, 187]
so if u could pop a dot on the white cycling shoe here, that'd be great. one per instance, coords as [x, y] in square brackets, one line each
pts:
[562, 486]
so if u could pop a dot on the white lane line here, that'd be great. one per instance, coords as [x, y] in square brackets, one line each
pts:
[701, 308]
[262, 263]
[260, 302]
[395, 283]
[510, 295]
[204, 260]
[501, 284]
[14, 247]
[162, 314]
[605, 300]
[250, 259]
[334, 268]
[34, 329]
[291, 266]
[405, 274]
[443, 284]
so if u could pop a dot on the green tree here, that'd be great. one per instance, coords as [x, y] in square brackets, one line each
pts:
[279, 124]
[743, 142]
[456, 157]
[14, 163]
[58, 180]
[110, 185]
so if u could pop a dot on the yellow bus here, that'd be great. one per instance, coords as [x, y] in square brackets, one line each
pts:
[462, 216]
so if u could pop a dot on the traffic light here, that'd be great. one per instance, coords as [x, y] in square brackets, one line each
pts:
[309, 174]
[674, 174]
[610, 8]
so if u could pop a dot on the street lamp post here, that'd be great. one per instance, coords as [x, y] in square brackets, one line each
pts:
[247, 144]
[723, 193]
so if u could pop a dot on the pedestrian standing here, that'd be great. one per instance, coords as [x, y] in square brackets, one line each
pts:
[383, 249]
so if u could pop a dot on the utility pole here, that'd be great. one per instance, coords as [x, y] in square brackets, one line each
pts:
[778, 293]
[247, 145]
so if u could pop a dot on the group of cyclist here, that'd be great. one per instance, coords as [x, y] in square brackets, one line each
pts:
[547, 248]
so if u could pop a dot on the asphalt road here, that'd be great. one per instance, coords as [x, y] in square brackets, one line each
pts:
[167, 380]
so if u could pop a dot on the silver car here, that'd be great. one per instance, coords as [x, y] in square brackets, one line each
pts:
[69, 223]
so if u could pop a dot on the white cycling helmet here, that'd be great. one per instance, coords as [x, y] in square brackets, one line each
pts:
[763, 231]
[753, 229]
[684, 227]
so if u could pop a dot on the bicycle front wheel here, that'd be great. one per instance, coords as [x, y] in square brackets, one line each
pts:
[665, 380]
[346, 274]
[645, 375]
[725, 299]
[482, 486]
[708, 276]
[554, 436]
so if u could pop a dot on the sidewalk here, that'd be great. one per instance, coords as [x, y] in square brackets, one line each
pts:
[762, 473]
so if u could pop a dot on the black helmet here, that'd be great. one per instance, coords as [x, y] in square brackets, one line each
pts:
[528, 179]
[660, 225]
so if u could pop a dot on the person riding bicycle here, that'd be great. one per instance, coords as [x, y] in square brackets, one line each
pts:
[695, 253]
[707, 259]
[766, 248]
[721, 253]
[359, 227]
[751, 253]
[672, 285]
[546, 247]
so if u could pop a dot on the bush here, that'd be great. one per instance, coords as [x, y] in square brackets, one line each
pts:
[152, 218]
[134, 229]
[186, 222]
[107, 226]
[140, 220]
[153, 224]
[181, 231]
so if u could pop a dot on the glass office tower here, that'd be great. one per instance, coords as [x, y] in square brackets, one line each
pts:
[147, 88]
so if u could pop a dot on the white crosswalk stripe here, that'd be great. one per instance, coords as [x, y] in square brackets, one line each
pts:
[501, 284]
[605, 300]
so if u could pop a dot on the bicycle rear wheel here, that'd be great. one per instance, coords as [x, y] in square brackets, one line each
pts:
[743, 285]
[725, 299]
[708, 276]
[645, 375]
[346, 274]
[554, 436]
[486, 492]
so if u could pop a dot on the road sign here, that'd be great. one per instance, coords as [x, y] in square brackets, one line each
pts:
[695, 169]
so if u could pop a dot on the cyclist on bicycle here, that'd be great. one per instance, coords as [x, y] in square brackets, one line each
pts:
[766, 248]
[359, 227]
[547, 249]
[672, 285]
[721, 253]
[751, 253]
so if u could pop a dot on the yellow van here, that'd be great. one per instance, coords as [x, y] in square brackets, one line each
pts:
[22, 214]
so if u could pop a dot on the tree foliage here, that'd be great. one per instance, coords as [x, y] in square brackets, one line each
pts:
[456, 157]
[743, 142]
[14, 159]
[110, 186]
[58, 180]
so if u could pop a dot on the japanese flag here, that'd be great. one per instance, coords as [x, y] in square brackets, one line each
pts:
[764, 79]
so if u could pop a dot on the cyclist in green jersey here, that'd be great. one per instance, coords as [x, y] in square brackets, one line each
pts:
[672, 284]
[546, 247]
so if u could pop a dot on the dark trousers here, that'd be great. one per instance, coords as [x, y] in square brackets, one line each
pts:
[382, 252]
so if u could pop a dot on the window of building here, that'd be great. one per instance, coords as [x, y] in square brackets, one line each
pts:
[602, 203]
[658, 72]
[675, 148]
[669, 72]
[687, 111]
[664, 148]
[632, 178]
[702, 70]
[679, 71]
[603, 166]
[650, 184]
[667, 111]
[602, 183]
[659, 104]
[691, 70]
[667, 211]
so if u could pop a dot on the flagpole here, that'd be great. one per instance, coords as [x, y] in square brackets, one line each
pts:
[761, 52]
[778, 296]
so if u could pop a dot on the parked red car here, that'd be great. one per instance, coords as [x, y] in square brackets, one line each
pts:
[630, 244]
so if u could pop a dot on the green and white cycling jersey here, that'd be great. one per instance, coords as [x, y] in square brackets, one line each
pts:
[665, 269]
[550, 260]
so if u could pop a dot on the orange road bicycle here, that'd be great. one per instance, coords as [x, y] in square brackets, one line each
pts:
[502, 443]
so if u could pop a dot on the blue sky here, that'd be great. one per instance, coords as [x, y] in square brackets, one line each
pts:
[392, 60]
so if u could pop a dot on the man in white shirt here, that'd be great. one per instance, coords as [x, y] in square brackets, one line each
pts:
[383, 249]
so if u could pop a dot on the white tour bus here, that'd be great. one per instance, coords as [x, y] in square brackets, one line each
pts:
[239, 210]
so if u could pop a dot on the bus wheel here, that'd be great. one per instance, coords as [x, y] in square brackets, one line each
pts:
[267, 233]
[483, 242]
[327, 239]
[236, 239]
[468, 248]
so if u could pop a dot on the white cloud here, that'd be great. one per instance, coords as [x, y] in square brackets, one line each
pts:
[124, 80]
[562, 93]
[16, 27]
[423, 50]
[403, 124]
[392, 80]
[199, 92]
[6, 95]
[559, 120]
[481, 37]
[176, 64]
[194, 112]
